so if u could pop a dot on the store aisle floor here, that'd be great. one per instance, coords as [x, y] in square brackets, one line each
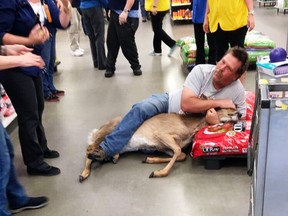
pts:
[124, 189]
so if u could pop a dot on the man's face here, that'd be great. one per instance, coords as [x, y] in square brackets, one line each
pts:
[225, 71]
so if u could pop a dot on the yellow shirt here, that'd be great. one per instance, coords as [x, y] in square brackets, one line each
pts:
[230, 14]
[163, 5]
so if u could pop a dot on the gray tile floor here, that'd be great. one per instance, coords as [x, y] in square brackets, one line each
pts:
[124, 189]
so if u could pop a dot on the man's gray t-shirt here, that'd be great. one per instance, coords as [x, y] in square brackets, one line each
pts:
[199, 80]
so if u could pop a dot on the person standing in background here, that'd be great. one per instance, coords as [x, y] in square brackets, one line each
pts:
[19, 24]
[12, 193]
[93, 17]
[228, 21]
[144, 13]
[199, 8]
[74, 30]
[158, 9]
[123, 24]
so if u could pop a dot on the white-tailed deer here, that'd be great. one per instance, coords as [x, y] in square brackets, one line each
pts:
[167, 132]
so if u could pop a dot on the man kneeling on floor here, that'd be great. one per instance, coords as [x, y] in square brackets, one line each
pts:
[218, 83]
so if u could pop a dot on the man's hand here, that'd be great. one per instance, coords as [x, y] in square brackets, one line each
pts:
[123, 18]
[30, 59]
[38, 35]
[17, 49]
[212, 117]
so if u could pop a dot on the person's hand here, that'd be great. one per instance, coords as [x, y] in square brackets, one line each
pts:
[123, 18]
[17, 49]
[212, 117]
[206, 26]
[38, 35]
[29, 59]
[251, 22]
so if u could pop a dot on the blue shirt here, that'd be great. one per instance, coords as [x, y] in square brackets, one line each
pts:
[93, 3]
[199, 9]
[18, 18]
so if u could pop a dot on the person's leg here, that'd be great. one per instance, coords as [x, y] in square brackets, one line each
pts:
[97, 20]
[46, 56]
[50, 66]
[143, 11]
[140, 112]
[87, 15]
[200, 41]
[163, 35]
[112, 41]
[126, 35]
[156, 22]
[212, 51]
[237, 37]
[11, 192]
[74, 30]
[221, 43]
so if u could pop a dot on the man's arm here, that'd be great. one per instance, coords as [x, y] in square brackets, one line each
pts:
[191, 103]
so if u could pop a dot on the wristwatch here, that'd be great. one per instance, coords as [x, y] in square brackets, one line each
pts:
[251, 12]
[126, 10]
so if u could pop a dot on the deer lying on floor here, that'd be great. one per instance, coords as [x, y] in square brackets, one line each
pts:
[167, 132]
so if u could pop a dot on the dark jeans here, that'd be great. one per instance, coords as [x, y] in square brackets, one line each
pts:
[200, 42]
[26, 94]
[225, 38]
[94, 24]
[159, 34]
[122, 36]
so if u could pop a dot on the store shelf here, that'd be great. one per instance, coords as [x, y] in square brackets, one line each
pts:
[266, 3]
[178, 9]
[8, 120]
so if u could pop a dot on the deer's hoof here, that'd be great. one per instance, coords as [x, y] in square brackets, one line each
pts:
[114, 160]
[151, 175]
[81, 179]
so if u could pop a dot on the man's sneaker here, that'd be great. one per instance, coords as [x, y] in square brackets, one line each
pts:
[109, 73]
[152, 53]
[51, 98]
[98, 154]
[173, 48]
[82, 50]
[47, 171]
[137, 72]
[51, 154]
[144, 19]
[33, 203]
[77, 53]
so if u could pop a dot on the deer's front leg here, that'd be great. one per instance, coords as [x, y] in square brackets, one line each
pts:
[168, 141]
[86, 172]
[157, 160]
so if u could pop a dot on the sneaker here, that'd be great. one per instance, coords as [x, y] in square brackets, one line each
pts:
[33, 203]
[144, 19]
[152, 53]
[82, 50]
[137, 72]
[109, 73]
[77, 53]
[47, 171]
[98, 154]
[52, 98]
[173, 48]
[51, 154]
[59, 93]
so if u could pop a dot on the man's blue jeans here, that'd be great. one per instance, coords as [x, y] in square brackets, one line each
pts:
[11, 192]
[156, 104]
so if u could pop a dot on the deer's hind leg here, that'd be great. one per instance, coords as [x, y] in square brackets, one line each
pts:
[97, 137]
[170, 142]
[157, 160]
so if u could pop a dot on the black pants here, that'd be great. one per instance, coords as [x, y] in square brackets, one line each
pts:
[26, 94]
[94, 23]
[225, 38]
[122, 36]
[200, 42]
[159, 34]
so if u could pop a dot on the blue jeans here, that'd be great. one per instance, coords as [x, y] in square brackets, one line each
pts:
[11, 192]
[49, 54]
[142, 8]
[155, 104]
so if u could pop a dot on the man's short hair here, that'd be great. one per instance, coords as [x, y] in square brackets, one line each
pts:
[241, 54]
